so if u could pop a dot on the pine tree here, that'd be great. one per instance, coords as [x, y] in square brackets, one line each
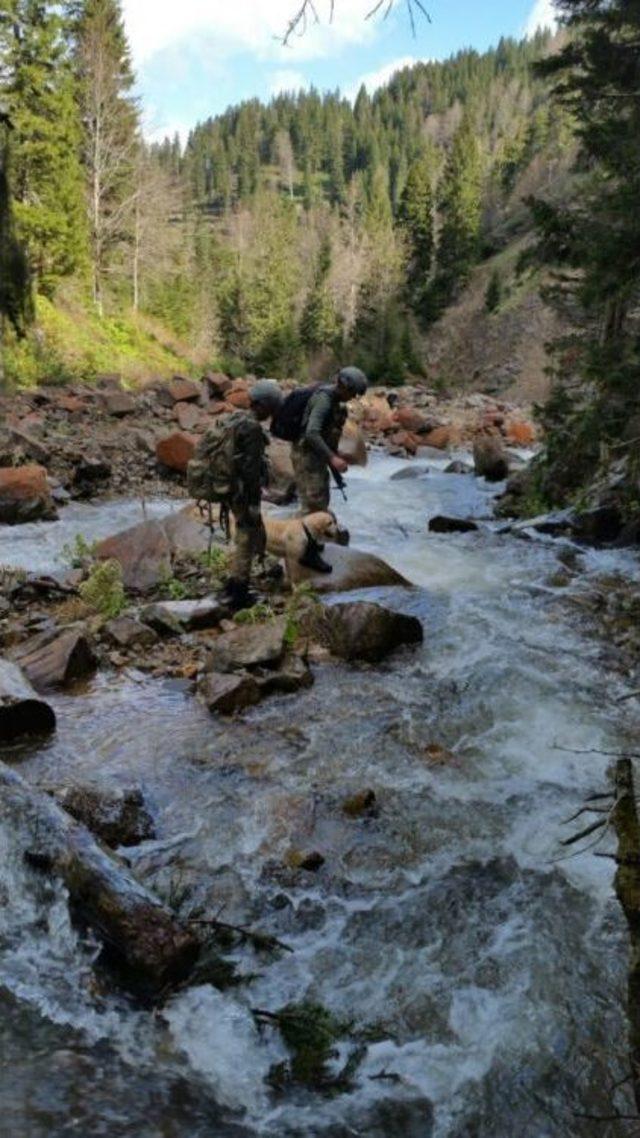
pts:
[416, 217]
[110, 137]
[592, 242]
[15, 283]
[320, 324]
[38, 90]
[461, 210]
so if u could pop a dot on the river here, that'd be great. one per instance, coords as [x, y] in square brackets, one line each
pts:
[484, 963]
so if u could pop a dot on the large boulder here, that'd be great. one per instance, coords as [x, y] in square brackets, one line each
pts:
[187, 531]
[352, 445]
[116, 817]
[359, 630]
[412, 420]
[282, 480]
[175, 451]
[439, 437]
[22, 712]
[55, 659]
[490, 458]
[249, 646]
[144, 553]
[352, 569]
[25, 495]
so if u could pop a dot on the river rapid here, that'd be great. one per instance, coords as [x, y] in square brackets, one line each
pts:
[483, 963]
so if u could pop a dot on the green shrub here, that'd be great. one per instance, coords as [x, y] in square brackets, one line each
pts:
[103, 590]
[79, 553]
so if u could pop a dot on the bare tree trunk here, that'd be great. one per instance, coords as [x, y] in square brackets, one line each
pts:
[136, 256]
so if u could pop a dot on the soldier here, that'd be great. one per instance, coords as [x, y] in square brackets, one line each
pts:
[249, 463]
[316, 450]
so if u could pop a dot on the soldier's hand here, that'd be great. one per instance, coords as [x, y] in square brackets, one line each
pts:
[337, 463]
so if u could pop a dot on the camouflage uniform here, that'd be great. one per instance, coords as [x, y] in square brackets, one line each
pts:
[249, 461]
[322, 425]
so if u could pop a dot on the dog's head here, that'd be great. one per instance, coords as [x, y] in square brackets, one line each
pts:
[324, 527]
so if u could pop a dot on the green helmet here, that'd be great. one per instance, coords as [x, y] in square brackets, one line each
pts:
[267, 393]
[353, 379]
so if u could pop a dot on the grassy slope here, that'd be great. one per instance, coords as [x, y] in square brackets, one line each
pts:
[71, 343]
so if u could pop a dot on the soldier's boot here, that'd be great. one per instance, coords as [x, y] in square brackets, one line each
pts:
[236, 595]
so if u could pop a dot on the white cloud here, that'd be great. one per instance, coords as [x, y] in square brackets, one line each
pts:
[376, 79]
[542, 15]
[243, 25]
[285, 81]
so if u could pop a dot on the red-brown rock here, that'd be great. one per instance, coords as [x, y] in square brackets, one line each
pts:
[217, 384]
[25, 495]
[520, 433]
[439, 437]
[218, 408]
[176, 451]
[411, 420]
[239, 399]
[408, 442]
[184, 390]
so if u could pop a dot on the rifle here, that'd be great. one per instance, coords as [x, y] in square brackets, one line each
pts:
[340, 482]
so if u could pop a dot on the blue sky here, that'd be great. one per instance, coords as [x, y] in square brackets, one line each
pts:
[196, 57]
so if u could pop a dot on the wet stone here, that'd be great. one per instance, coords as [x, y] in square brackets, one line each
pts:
[118, 818]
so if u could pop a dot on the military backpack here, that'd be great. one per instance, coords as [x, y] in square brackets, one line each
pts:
[212, 474]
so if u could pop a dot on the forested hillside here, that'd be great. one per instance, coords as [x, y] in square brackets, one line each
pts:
[279, 237]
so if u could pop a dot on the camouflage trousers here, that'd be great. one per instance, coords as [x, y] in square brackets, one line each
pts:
[249, 539]
[312, 479]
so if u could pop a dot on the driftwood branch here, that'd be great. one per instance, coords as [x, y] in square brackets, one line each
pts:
[259, 939]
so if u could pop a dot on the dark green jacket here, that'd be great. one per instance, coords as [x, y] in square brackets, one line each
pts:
[323, 422]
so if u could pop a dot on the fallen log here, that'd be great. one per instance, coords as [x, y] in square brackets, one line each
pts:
[141, 938]
[21, 710]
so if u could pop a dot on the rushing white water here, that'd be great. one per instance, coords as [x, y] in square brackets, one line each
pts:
[483, 964]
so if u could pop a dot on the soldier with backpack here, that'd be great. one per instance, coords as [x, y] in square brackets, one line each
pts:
[229, 468]
[312, 420]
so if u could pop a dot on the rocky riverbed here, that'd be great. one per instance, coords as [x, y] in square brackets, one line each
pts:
[395, 941]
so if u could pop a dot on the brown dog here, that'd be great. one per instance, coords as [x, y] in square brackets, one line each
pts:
[292, 538]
